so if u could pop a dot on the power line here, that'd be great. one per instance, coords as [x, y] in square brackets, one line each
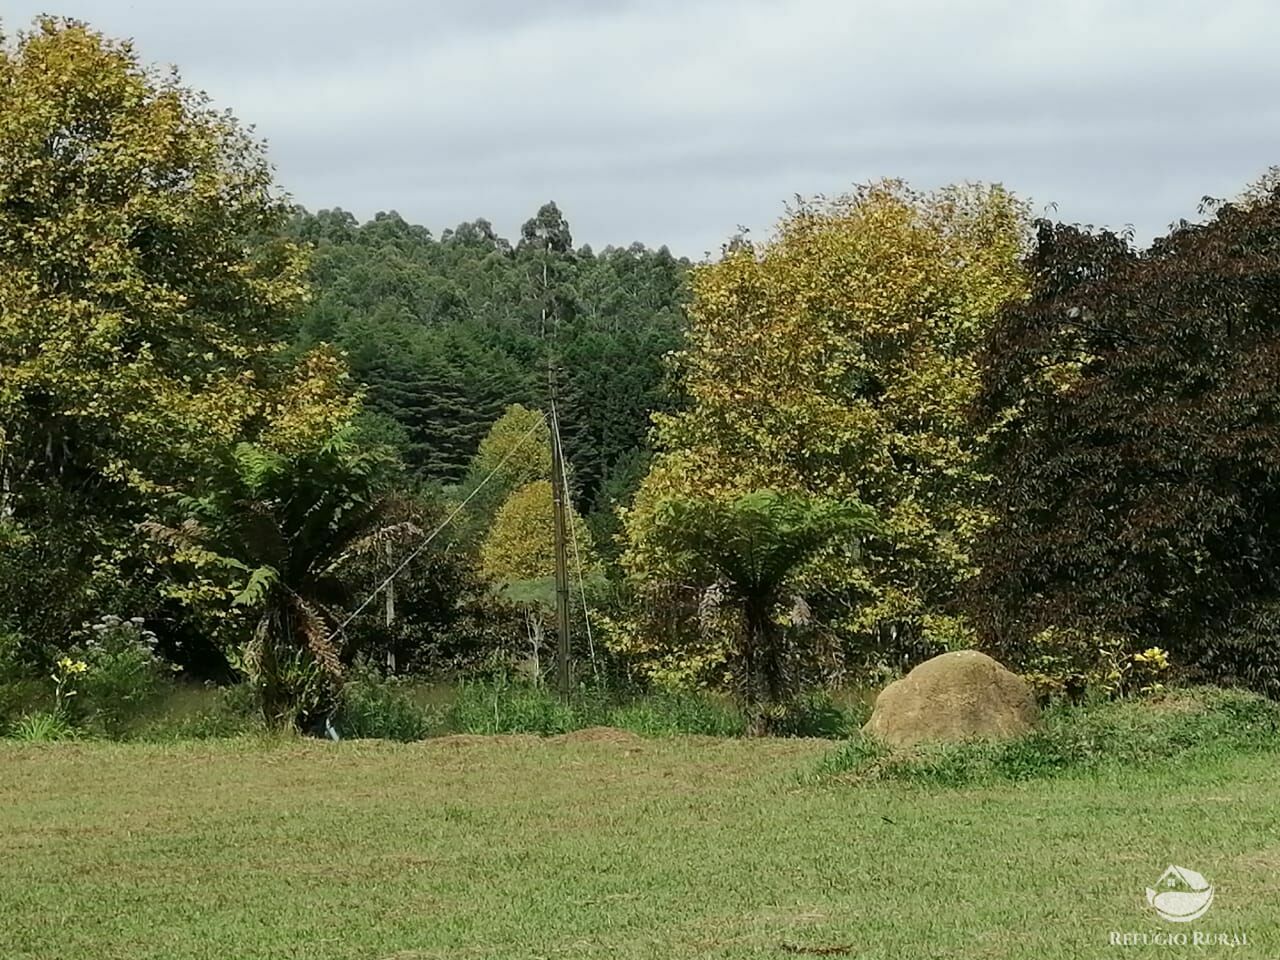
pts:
[443, 523]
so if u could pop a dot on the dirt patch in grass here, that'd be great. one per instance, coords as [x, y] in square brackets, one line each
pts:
[462, 740]
[598, 735]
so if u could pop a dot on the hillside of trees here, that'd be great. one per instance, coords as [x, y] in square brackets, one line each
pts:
[448, 332]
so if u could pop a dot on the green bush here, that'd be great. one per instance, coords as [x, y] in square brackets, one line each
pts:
[19, 696]
[382, 709]
[15, 660]
[119, 679]
[124, 676]
[679, 712]
[1244, 651]
[1183, 727]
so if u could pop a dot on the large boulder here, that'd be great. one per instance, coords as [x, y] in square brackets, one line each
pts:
[956, 696]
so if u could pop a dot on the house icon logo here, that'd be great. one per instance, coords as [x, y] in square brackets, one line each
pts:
[1181, 895]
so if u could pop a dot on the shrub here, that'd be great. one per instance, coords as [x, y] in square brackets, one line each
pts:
[1075, 663]
[15, 660]
[23, 696]
[1183, 727]
[381, 709]
[123, 675]
[1244, 650]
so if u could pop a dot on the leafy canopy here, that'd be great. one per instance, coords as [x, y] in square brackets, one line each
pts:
[520, 544]
[752, 546]
[755, 542]
[1133, 405]
[144, 288]
[137, 297]
[839, 360]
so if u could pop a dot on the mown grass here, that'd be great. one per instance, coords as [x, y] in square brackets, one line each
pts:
[522, 847]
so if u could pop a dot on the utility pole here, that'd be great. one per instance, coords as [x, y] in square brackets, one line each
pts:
[562, 559]
[391, 620]
[563, 682]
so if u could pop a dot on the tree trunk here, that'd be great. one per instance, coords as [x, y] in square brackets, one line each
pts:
[755, 658]
[6, 505]
[771, 665]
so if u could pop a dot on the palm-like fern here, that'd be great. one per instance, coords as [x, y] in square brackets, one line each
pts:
[274, 531]
[752, 547]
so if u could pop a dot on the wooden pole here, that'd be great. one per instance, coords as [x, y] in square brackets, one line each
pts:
[562, 557]
[391, 620]
[563, 680]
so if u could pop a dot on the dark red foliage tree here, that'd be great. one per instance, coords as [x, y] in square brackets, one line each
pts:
[1134, 400]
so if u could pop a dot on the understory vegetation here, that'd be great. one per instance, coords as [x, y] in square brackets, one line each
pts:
[404, 709]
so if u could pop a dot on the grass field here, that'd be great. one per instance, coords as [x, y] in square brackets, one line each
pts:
[528, 848]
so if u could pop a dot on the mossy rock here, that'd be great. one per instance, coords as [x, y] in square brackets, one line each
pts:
[957, 696]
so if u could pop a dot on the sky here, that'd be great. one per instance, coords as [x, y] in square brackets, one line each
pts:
[677, 121]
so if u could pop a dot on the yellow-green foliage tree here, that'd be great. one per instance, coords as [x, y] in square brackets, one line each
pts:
[517, 446]
[520, 544]
[137, 313]
[516, 451]
[838, 360]
[143, 289]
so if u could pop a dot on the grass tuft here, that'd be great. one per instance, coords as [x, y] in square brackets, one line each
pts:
[674, 713]
[41, 727]
[384, 710]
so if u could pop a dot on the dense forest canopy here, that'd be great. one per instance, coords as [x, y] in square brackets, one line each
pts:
[447, 332]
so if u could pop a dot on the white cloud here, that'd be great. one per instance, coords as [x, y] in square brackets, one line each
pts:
[673, 122]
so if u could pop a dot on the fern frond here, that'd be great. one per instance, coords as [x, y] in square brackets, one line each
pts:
[258, 588]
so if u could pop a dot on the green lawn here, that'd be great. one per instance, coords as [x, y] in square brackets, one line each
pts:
[525, 848]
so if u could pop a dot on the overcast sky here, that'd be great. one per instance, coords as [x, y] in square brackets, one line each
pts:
[673, 121]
